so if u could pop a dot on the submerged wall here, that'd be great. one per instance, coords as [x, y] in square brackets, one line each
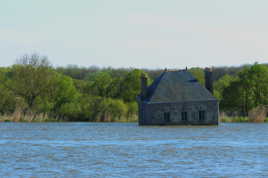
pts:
[171, 113]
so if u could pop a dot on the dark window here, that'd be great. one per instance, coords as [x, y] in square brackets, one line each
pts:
[184, 116]
[202, 115]
[167, 116]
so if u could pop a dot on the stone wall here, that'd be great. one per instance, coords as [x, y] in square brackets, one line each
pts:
[153, 113]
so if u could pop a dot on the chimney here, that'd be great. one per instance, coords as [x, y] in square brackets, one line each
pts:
[208, 80]
[143, 86]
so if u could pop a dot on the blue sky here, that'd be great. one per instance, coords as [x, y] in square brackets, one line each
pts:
[135, 33]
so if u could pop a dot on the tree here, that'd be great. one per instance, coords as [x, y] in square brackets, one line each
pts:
[232, 98]
[8, 100]
[29, 78]
[132, 109]
[249, 91]
[198, 73]
[33, 81]
[130, 86]
[61, 92]
[255, 79]
[221, 84]
[101, 84]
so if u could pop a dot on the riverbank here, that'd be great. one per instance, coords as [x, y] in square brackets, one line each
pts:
[12, 118]
[45, 118]
[239, 119]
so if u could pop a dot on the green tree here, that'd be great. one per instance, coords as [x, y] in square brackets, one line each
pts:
[101, 84]
[198, 73]
[130, 85]
[8, 99]
[117, 109]
[255, 79]
[233, 99]
[221, 84]
[132, 110]
[62, 91]
[33, 81]
[29, 78]
[249, 91]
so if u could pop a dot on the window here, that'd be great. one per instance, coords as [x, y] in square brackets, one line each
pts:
[202, 115]
[184, 116]
[167, 116]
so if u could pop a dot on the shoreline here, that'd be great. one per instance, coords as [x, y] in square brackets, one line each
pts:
[55, 120]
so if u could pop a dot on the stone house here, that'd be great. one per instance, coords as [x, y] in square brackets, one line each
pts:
[176, 98]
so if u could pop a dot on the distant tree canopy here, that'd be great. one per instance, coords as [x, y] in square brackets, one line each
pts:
[248, 91]
[33, 86]
[198, 73]
[37, 86]
[221, 84]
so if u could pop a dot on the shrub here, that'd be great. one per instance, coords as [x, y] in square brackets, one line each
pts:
[258, 114]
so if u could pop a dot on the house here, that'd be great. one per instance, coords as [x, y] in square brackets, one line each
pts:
[176, 98]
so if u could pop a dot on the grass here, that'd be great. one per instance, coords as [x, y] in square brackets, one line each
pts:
[18, 116]
[133, 118]
[237, 119]
[27, 118]
[130, 119]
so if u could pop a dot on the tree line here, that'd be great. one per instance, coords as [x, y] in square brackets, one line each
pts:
[33, 90]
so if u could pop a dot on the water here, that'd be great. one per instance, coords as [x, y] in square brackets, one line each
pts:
[127, 150]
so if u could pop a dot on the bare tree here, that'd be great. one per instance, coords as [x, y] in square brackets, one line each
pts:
[33, 60]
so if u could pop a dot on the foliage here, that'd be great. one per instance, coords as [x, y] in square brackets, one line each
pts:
[8, 99]
[33, 91]
[258, 114]
[101, 84]
[235, 119]
[29, 78]
[221, 84]
[249, 91]
[33, 87]
[198, 73]
[130, 86]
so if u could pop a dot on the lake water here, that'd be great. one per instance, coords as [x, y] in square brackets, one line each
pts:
[127, 150]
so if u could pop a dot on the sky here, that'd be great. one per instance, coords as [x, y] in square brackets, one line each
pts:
[135, 33]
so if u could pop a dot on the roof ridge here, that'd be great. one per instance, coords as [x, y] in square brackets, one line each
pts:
[155, 84]
[177, 86]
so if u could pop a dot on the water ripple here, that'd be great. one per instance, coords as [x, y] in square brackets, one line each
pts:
[126, 150]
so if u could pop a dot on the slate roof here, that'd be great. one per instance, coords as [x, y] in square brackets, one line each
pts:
[177, 86]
